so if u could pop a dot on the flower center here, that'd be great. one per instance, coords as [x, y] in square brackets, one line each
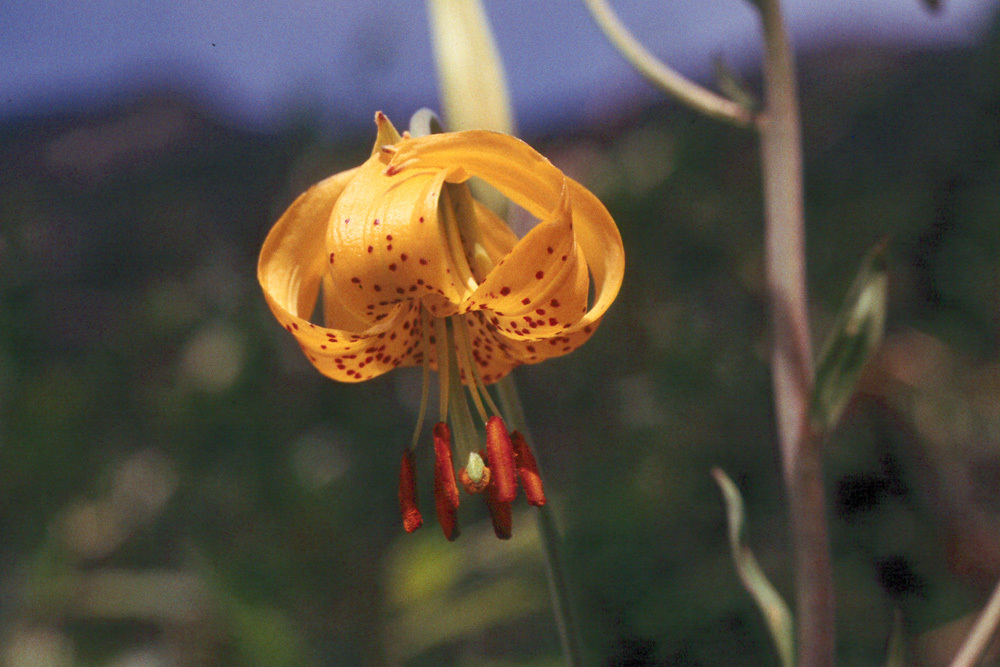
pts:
[507, 455]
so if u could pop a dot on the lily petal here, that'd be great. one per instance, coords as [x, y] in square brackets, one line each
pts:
[290, 270]
[568, 213]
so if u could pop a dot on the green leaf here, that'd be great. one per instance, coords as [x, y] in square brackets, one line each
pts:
[856, 333]
[771, 604]
[730, 85]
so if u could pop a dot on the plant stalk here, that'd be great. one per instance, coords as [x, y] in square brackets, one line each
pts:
[562, 608]
[660, 74]
[791, 355]
[982, 632]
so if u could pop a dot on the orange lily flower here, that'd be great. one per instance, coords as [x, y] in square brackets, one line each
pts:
[410, 270]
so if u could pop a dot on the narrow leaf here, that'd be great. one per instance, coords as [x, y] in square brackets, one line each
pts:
[896, 651]
[771, 604]
[473, 85]
[856, 333]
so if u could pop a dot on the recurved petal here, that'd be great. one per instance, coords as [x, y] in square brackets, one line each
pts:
[541, 288]
[293, 259]
[545, 280]
[495, 354]
[516, 169]
[571, 217]
[291, 269]
[496, 237]
[386, 246]
[601, 242]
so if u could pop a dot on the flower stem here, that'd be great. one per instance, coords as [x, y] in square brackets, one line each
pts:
[791, 354]
[569, 636]
[985, 627]
[670, 81]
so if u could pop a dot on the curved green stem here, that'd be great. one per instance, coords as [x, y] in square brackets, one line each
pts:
[670, 81]
[562, 608]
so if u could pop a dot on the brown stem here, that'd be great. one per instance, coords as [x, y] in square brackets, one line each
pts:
[791, 355]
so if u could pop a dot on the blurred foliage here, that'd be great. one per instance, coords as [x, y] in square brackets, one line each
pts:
[178, 486]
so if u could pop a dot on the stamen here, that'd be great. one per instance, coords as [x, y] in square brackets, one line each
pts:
[394, 168]
[460, 417]
[462, 345]
[444, 372]
[475, 371]
[455, 246]
[425, 380]
[499, 514]
[408, 504]
[527, 470]
[445, 489]
[469, 229]
[501, 459]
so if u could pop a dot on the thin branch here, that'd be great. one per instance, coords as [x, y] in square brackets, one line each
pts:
[981, 633]
[673, 84]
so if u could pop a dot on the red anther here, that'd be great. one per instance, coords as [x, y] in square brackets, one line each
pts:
[445, 489]
[474, 487]
[501, 459]
[408, 504]
[499, 514]
[527, 470]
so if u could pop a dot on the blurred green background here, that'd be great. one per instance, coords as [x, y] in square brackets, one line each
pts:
[178, 486]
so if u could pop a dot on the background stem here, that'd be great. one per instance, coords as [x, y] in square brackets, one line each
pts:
[981, 634]
[562, 608]
[791, 354]
[658, 73]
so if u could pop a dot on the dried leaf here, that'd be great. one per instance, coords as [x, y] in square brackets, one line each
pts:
[772, 605]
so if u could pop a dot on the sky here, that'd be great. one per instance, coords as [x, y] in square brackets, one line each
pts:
[254, 61]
